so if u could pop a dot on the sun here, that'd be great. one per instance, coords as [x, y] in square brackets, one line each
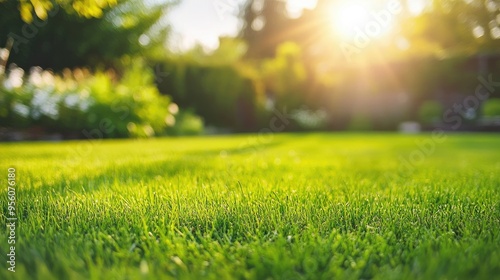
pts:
[346, 17]
[295, 7]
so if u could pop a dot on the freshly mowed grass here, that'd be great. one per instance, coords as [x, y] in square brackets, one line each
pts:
[317, 206]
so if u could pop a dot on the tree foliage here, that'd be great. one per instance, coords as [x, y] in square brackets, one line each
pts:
[41, 8]
[65, 39]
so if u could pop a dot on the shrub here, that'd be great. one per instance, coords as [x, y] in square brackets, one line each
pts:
[360, 122]
[187, 123]
[430, 112]
[492, 108]
[78, 102]
[222, 94]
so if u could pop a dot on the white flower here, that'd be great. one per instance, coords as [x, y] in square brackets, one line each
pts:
[21, 109]
[44, 103]
[85, 104]
[71, 100]
[310, 119]
[15, 78]
[4, 54]
[39, 97]
[36, 76]
[50, 110]
[47, 78]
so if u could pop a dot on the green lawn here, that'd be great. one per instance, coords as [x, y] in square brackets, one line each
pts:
[317, 206]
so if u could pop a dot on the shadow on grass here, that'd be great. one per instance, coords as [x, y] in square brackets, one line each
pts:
[136, 171]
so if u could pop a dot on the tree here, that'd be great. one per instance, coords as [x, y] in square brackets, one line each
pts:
[85, 8]
[264, 23]
[66, 39]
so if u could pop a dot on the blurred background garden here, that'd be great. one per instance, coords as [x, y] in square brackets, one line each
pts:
[87, 69]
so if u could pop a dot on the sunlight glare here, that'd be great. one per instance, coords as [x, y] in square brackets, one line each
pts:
[295, 7]
[346, 17]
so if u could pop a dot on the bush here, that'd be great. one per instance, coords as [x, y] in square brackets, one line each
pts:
[79, 103]
[221, 94]
[360, 122]
[187, 123]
